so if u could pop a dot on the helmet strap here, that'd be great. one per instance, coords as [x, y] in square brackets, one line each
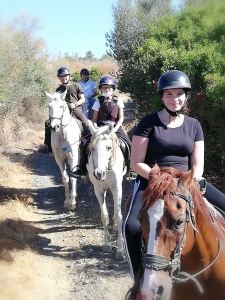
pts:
[174, 113]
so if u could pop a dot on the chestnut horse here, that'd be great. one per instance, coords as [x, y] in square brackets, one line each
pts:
[183, 240]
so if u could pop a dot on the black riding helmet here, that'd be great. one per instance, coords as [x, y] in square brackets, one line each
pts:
[173, 79]
[63, 71]
[84, 71]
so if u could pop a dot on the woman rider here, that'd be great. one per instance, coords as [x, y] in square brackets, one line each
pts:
[168, 138]
[108, 108]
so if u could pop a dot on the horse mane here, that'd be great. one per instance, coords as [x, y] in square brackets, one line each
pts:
[165, 180]
[104, 133]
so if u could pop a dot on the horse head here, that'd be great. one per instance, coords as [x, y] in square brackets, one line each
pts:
[167, 211]
[102, 149]
[57, 109]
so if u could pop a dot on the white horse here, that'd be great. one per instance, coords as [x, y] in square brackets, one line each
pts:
[65, 140]
[106, 170]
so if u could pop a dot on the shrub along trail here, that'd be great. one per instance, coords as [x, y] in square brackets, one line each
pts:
[73, 240]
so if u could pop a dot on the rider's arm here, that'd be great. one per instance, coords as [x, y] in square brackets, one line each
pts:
[81, 99]
[197, 159]
[79, 102]
[94, 93]
[95, 118]
[120, 119]
[138, 153]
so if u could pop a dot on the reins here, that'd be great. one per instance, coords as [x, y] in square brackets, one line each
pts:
[84, 137]
[157, 263]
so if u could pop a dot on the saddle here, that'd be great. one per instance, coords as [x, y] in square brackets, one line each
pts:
[124, 148]
[79, 123]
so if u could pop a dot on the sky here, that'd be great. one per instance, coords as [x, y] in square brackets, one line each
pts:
[72, 26]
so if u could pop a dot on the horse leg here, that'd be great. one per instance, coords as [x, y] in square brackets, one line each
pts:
[118, 220]
[73, 194]
[101, 194]
[73, 162]
[65, 179]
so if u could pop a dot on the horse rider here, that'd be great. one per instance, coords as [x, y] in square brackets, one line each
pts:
[109, 108]
[74, 98]
[90, 91]
[169, 138]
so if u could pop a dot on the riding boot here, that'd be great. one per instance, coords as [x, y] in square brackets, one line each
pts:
[81, 172]
[48, 132]
[135, 293]
[46, 148]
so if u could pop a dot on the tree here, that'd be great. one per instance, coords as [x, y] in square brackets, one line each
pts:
[23, 62]
[89, 56]
[166, 44]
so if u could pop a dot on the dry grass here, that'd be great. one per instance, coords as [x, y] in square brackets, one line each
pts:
[24, 278]
[105, 66]
[22, 275]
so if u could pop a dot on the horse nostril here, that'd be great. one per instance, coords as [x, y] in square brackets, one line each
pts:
[160, 290]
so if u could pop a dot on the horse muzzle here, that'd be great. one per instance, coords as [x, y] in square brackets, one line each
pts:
[156, 286]
[100, 175]
[55, 128]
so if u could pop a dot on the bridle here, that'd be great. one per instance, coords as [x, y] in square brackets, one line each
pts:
[158, 263]
[111, 161]
[56, 118]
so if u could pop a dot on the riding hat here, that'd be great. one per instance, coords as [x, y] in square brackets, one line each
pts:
[84, 71]
[63, 71]
[173, 79]
[107, 80]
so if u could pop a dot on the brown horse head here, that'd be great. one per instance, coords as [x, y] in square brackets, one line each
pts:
[172, 207]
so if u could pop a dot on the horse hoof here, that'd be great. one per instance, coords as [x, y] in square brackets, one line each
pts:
[119, 256]
[72, 207]
[107, 249]
[66, 205]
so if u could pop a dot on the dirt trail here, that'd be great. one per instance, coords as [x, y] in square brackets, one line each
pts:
[72, 241]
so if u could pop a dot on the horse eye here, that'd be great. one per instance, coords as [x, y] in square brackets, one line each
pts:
[108, 147]
[178, 223]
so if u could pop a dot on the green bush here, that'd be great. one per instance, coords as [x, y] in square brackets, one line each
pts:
[95, 75]
[191, 41]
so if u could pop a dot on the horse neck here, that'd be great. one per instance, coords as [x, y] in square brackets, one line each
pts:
[66, 117]
[205, 247]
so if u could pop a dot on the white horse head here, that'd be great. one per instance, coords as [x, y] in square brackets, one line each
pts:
[58, 110]
[103, 150]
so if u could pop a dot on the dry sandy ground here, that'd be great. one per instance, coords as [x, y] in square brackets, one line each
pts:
[45, 251]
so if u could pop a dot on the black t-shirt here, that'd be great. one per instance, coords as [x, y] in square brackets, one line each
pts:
[167, 146]
[73, 90]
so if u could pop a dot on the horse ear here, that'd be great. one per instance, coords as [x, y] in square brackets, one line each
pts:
[48, 95]
[111, 127]
[63, 95]
[186, 178]
[155, 170]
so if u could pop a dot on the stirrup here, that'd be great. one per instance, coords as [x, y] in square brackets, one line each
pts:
[131, 175]
[77, 174]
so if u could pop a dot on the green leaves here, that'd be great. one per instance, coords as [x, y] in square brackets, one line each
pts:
[191, 40]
